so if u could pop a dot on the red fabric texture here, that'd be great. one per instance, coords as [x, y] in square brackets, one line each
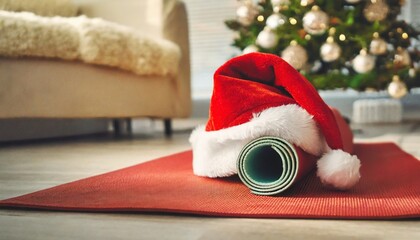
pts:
[306, 164]
[389, 189]
[254, 82]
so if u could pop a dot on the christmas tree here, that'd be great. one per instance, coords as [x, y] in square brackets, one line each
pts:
[357, 44]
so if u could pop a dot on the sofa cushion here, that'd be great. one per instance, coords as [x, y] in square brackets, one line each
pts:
[91, 40]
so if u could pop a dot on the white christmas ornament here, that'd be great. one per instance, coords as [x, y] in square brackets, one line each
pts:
[276, 20]
[378, 46]
[267, 38]
[315, 21]
[397, 88]
[363, 62]
[330, 51]
[402, 57]
[280, 2]
[295, 55]
[412, 72]
[250, 49]
[246, 13]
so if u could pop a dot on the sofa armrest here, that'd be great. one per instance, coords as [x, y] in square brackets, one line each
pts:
[161, 18]
[175, 29]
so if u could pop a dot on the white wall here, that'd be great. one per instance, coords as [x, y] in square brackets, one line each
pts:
[210, 41]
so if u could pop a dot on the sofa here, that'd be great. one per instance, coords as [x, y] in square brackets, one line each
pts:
[68, 88]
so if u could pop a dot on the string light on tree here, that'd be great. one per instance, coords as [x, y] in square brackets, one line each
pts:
[315, 21]
[293, 21]
[295, 55]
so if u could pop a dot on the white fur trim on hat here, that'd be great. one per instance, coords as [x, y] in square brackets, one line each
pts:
[338, 169]
[215, 152]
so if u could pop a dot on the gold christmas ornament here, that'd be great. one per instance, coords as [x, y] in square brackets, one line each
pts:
[246, 13]
[295, 55]
[376, 10]
[330, 50]
[402, 58]
[363, 62]
[267, 38]
[397, 88]
[275, 20]
[315, 21]
[377, 46]
[250, 49]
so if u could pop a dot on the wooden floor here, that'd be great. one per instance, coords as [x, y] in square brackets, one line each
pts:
[30, 166]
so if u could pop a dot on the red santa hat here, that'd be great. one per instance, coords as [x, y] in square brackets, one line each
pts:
[259, 95]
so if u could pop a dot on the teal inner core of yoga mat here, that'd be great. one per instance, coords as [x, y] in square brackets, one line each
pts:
[268, 165]
[263, 164]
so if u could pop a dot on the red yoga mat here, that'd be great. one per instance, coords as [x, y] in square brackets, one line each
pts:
[389, 188]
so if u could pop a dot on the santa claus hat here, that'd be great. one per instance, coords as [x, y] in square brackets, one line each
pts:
[259, 95]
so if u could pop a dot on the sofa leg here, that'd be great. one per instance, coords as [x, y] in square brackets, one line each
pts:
[122, 126]
[129, 125]
[116, 126]
[167, 122]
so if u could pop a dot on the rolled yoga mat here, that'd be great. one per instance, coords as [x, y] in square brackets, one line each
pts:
[271, 165]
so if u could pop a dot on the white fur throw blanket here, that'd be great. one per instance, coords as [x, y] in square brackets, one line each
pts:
[64, 8]
[93, 41]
